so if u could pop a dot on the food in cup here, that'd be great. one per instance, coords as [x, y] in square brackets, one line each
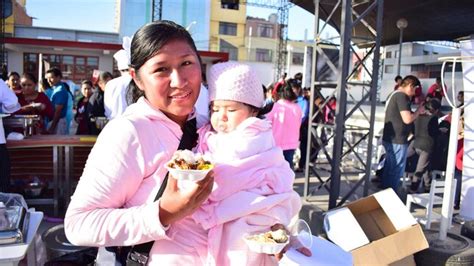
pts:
[187, 160]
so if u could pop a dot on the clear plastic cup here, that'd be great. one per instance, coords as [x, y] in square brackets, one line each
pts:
[301, 235]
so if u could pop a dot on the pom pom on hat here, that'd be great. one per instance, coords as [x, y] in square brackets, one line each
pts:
[236, 82]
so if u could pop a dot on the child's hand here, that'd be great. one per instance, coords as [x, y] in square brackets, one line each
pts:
[305, 251]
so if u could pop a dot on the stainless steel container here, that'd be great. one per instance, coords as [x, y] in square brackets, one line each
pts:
[100, 122]
[14, 221]
[27, 122]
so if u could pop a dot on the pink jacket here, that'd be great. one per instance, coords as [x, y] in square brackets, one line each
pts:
[113, 203]
[253, 190]
[286, 121]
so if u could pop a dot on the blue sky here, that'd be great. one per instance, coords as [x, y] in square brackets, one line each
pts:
[98, 15]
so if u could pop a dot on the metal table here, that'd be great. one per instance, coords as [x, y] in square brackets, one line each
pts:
[62, 163]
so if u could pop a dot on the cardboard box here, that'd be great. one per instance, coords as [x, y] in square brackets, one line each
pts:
[386, 222]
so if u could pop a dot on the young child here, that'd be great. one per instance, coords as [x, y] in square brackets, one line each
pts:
[253, 187]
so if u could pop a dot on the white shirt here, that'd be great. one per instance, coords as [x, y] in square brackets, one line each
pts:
[115, 96]
[8, 104]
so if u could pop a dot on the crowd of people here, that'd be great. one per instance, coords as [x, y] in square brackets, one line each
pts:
[417, 142]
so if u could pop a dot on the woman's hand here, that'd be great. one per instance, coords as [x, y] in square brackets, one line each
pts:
[176, 204]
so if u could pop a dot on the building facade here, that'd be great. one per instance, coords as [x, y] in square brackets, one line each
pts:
[419, 59]
[261, 48]
[227, 28]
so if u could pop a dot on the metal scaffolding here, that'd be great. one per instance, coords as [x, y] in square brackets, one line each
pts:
[283, 8]
[343, 138]
[157, 10]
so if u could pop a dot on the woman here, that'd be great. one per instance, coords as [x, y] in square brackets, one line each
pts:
[13, 82]
[82, 116]
[286, 117]
[114, 204]
[33, 102]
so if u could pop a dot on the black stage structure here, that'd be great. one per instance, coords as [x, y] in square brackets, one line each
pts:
[364, 24]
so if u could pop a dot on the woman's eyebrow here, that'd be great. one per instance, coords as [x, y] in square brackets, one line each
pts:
[164, 61]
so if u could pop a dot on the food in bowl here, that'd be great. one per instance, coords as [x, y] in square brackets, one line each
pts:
[186, 165]
[271, 242]
[187, 160]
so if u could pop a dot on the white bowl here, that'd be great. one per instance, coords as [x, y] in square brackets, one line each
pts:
[262, 247]
[188, 175]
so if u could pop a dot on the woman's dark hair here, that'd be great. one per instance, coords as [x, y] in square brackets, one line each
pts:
[30, 76]
[146, 43]
[44, 83]
[410, 80]
[105, 75]
[13, 73]
[87, 82]
[55, 71]
[288, 93]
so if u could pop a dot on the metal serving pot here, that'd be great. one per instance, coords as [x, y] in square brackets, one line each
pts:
[26, 122]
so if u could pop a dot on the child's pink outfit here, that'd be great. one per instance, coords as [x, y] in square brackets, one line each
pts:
[253, 190]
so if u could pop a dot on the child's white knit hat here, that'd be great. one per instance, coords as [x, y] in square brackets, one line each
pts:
[236, 82]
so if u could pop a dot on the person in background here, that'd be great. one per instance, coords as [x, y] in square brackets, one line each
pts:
[8, 104]
[14, 82]
[460, 98]
[436, 90]
[307, 93]
[33, 102]
[59, 98]
[82, 117]
[278, 87]
[459, 154]
[398, 120]
[115, 94]
[426, 131]
[44, 87]
[398, 82]
[71, 89]
[286, 118]
[304, 105]
[330, 110]
[95, 106]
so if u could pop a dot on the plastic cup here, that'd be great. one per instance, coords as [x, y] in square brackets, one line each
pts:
[301, 235]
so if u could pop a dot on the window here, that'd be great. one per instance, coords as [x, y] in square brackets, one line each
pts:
[263, 55]
[297, 59]
[75, 68]
[396, 54]
[230, 4]
[227, 28]
[265, 31]
[229, 48]
[388, 55]
[426, 52]
[389, 69]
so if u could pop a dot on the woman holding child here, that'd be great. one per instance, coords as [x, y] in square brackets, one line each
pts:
[114, 203]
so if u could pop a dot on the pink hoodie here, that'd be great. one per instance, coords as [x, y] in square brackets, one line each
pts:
[113, 203]
[286, 121]
[253, 190]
